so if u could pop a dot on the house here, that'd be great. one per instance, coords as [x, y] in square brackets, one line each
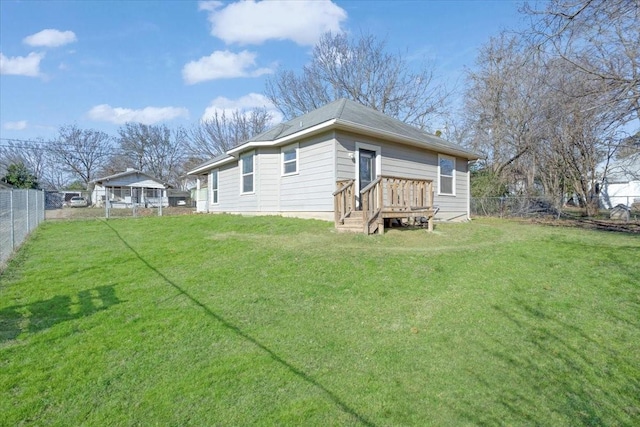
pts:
[128, 189]
[342, 162]
[621, 185]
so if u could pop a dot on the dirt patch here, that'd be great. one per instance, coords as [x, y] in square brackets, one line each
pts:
[58, 214]
[632, 227]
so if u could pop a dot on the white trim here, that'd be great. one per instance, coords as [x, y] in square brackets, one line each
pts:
[453, 175]
[214, 200]
[210, 166]
[358, 128]
[284, 140]
[341, 125]
[378, 150]
[296, 147]
[253, 172]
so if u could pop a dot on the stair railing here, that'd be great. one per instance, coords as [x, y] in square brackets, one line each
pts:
[344, 200]
[385, 197]
[371, 198]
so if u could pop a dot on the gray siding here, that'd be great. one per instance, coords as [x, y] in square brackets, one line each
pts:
[312, 187]
[408, 162]
[345, 166]
[322, 160]
[309, 191]
[454, 207]
[228, 189]
[268, 178]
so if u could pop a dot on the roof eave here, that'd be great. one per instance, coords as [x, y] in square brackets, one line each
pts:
[362, 129]
[328, 125]
[205, 168]
[313, 130]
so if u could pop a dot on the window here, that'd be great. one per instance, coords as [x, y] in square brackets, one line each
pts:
[120, 193]
[446, 175]
[290, 160]
[214, 186]
[247, 167]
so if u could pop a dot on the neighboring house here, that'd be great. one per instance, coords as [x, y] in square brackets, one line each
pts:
[6, 186]
[342, 162]
[621, 186]
[128, 189]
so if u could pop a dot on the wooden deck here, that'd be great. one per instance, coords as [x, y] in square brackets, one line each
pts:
[386, 198]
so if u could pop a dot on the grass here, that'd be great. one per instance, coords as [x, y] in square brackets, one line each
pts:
[224, 320]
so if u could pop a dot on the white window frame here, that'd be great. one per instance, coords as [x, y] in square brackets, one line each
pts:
[296, 148]
[452, 176]
[214, 192]
[253, 172]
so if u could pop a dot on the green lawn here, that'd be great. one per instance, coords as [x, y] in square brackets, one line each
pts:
[220, 320]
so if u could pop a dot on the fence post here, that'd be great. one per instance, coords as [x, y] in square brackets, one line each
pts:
[13, 224]
[28, 216]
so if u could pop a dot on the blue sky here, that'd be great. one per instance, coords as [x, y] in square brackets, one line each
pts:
[99, 64]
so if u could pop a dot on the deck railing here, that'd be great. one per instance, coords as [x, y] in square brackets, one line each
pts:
[385, 197]
[407, 194]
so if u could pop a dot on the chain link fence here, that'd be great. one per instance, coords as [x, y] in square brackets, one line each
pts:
[120, 202]
[21, 211]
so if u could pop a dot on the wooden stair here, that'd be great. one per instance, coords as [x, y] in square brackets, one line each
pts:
[352, 224]
[383, 200]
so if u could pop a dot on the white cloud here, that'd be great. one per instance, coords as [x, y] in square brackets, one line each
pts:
[19, 125]
[50, 38]
[209, 5]
[222, 64]
[245, 103]
[147, 115]
[254, 22]
[21, 65]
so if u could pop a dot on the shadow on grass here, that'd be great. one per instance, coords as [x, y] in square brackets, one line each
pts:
[227, 324]
[557, 373]
[44, 314]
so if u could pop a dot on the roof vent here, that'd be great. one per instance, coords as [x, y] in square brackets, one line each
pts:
[300, 123]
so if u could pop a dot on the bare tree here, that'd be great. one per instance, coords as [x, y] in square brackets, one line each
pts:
[81, 152]
[219, 133]
[539, 122]
[576, 140]
[33, 154]
[501, 109]
[364, 71]
[599, 39]
[153, 149]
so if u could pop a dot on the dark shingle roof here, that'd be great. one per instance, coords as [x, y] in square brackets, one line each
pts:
[350, 115]
[346, 111]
